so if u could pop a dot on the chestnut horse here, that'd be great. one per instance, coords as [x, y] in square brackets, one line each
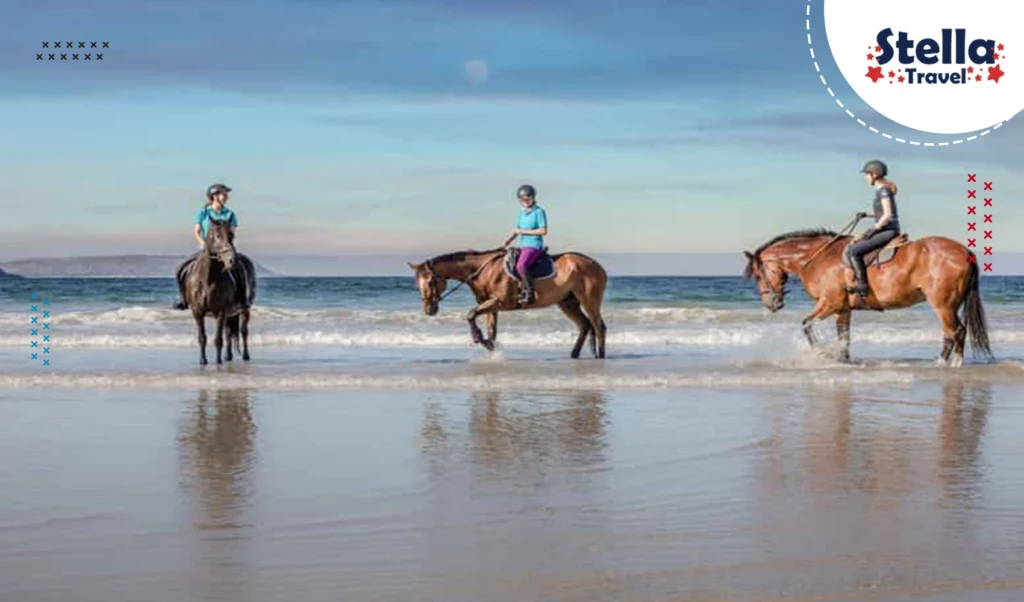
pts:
[577, 287]
[935, 269]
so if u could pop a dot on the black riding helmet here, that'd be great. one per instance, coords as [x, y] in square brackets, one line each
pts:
[214, 189]
[876, 167]
[529, 190]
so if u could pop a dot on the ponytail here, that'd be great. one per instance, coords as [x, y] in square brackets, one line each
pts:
[890, 185]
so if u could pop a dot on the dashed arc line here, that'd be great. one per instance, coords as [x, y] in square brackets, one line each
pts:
[839, 102]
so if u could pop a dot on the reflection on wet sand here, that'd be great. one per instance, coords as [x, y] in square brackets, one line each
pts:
[217, 444]
[875, 492]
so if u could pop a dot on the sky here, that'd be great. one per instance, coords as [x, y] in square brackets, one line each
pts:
[405, 127]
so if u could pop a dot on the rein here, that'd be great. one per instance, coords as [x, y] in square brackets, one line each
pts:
[471, 276]
[847, 230]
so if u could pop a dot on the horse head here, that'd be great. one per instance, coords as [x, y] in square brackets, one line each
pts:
[431, 284]
[220, 242]
[769, 277]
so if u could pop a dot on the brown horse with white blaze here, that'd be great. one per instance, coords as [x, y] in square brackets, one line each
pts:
[576, 287]
[935, 269]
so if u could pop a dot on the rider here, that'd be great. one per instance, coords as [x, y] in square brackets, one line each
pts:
[532, 227]
[885, 228]
[215, 210]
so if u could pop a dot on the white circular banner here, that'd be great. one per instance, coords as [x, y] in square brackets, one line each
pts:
[937, 66]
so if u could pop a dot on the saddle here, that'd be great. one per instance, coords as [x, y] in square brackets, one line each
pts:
[542, 269]
[881, 256]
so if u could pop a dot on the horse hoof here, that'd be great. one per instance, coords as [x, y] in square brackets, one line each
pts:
[245, 357]
[489, 346]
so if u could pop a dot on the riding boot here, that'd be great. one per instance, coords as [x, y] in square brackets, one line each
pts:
[526, 289]
[860, 272]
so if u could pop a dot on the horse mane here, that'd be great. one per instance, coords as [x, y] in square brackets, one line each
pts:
[755, 256]
[460, 255]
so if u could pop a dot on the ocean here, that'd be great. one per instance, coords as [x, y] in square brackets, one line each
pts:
[370, 452]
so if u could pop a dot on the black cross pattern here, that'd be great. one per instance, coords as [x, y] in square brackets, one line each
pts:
[81, 44]
[74, 57]
[51, 56]
[46, 44]
[63, 57]
[39, 57]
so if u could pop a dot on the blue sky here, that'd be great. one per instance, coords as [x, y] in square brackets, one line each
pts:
[357, 127]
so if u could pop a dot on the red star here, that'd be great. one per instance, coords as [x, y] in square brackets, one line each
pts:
[875, 73]
[977, 78]
[994, 73]
[891, 74]
[970, 69]
[900, 79]
[995, 56]
[879, 48]
[871, 57]
[1000, 47]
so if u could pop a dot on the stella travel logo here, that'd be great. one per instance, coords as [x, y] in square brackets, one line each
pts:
[951, 60]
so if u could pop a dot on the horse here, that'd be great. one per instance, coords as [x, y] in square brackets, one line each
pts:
[209, 287]
[572, 281]
[935, 269]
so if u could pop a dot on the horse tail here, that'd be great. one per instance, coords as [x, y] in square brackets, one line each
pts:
[974, 314]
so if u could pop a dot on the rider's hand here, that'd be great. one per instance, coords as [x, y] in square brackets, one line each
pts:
[863, 215]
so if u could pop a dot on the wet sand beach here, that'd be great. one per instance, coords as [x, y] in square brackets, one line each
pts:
[809, 492]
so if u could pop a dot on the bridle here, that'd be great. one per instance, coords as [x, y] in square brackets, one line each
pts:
[437, 298]
[776, 294]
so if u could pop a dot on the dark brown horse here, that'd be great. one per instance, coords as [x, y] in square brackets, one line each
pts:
[577, 288]
[210, 286]
[938, 270]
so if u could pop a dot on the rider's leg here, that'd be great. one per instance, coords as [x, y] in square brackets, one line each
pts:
[527, 257]
[180, 275]
[861, 248]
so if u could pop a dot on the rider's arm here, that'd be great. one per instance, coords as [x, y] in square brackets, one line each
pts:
[198, 235]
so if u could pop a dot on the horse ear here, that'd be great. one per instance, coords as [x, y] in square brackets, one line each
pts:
[415, 266]
[748, 254]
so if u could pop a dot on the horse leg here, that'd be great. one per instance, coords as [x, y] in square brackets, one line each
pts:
[843, 330]
[592, 307]
[245, 335]
[950, 327]
[571, 308]
[821, 311]
[488, 306]
[231, 324]
[491, 320]
[218, 339]
[201, 336]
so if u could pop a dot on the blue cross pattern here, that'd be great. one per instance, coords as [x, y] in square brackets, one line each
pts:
[35, 331]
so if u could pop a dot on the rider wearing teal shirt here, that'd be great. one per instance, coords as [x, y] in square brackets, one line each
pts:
[532, 218]
[209, 213]
[216, 211]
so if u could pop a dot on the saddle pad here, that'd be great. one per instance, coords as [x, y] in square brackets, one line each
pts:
[542, 269]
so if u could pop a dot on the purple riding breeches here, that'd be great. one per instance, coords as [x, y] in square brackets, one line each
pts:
[527, 257]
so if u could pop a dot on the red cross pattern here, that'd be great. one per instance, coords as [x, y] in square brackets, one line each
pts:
[973, 226]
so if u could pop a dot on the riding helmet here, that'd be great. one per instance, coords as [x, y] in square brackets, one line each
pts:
[214, 189]
[529, 190]
[876, 167]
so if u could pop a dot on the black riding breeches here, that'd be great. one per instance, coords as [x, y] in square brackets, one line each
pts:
[859, 249]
